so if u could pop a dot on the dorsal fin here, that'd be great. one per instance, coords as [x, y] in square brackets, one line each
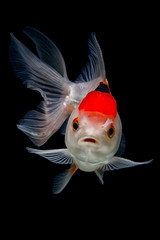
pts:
[103, 87]
[95, 66]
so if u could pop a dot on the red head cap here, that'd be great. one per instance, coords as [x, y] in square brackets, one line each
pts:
[101, 102]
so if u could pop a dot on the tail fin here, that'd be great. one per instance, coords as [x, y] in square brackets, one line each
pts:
[48, 75]
[53, 85]
[47, 50]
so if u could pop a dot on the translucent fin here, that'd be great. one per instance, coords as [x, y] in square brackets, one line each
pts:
[117, 163]
[47, 50]
[95, 67]
[58, 156]
[122, 146]
[39, 125]
[62, 179]
[100, 173]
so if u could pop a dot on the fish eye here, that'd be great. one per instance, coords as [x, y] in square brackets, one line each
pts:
[75, 124]
[111, 131]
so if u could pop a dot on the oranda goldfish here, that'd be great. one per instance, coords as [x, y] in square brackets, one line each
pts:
[93, 136]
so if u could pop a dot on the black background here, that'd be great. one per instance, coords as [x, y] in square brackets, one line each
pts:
[129, 198]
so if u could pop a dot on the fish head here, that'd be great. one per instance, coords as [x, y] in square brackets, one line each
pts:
[93, 134]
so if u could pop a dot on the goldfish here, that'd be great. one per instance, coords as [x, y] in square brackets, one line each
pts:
[84, 110]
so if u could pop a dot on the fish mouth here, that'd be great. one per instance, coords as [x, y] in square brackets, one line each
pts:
[90, 140]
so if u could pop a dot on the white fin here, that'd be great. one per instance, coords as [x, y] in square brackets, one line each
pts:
[59, 156]
[100, 173]
[62, 179]
[40, 124]
[118, 163]
[92, 74]
[47, 50]
[60, 95]
[95, 67]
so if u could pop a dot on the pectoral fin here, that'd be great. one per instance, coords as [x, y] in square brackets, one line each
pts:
[117, 163]
[58, 156]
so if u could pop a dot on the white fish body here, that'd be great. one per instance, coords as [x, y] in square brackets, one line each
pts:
[90, 145]
[94, 141]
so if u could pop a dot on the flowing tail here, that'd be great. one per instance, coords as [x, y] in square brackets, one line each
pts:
[52, 83]
[47, 74]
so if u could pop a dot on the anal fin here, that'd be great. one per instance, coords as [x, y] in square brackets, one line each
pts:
[63, 178]
[100, 172]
